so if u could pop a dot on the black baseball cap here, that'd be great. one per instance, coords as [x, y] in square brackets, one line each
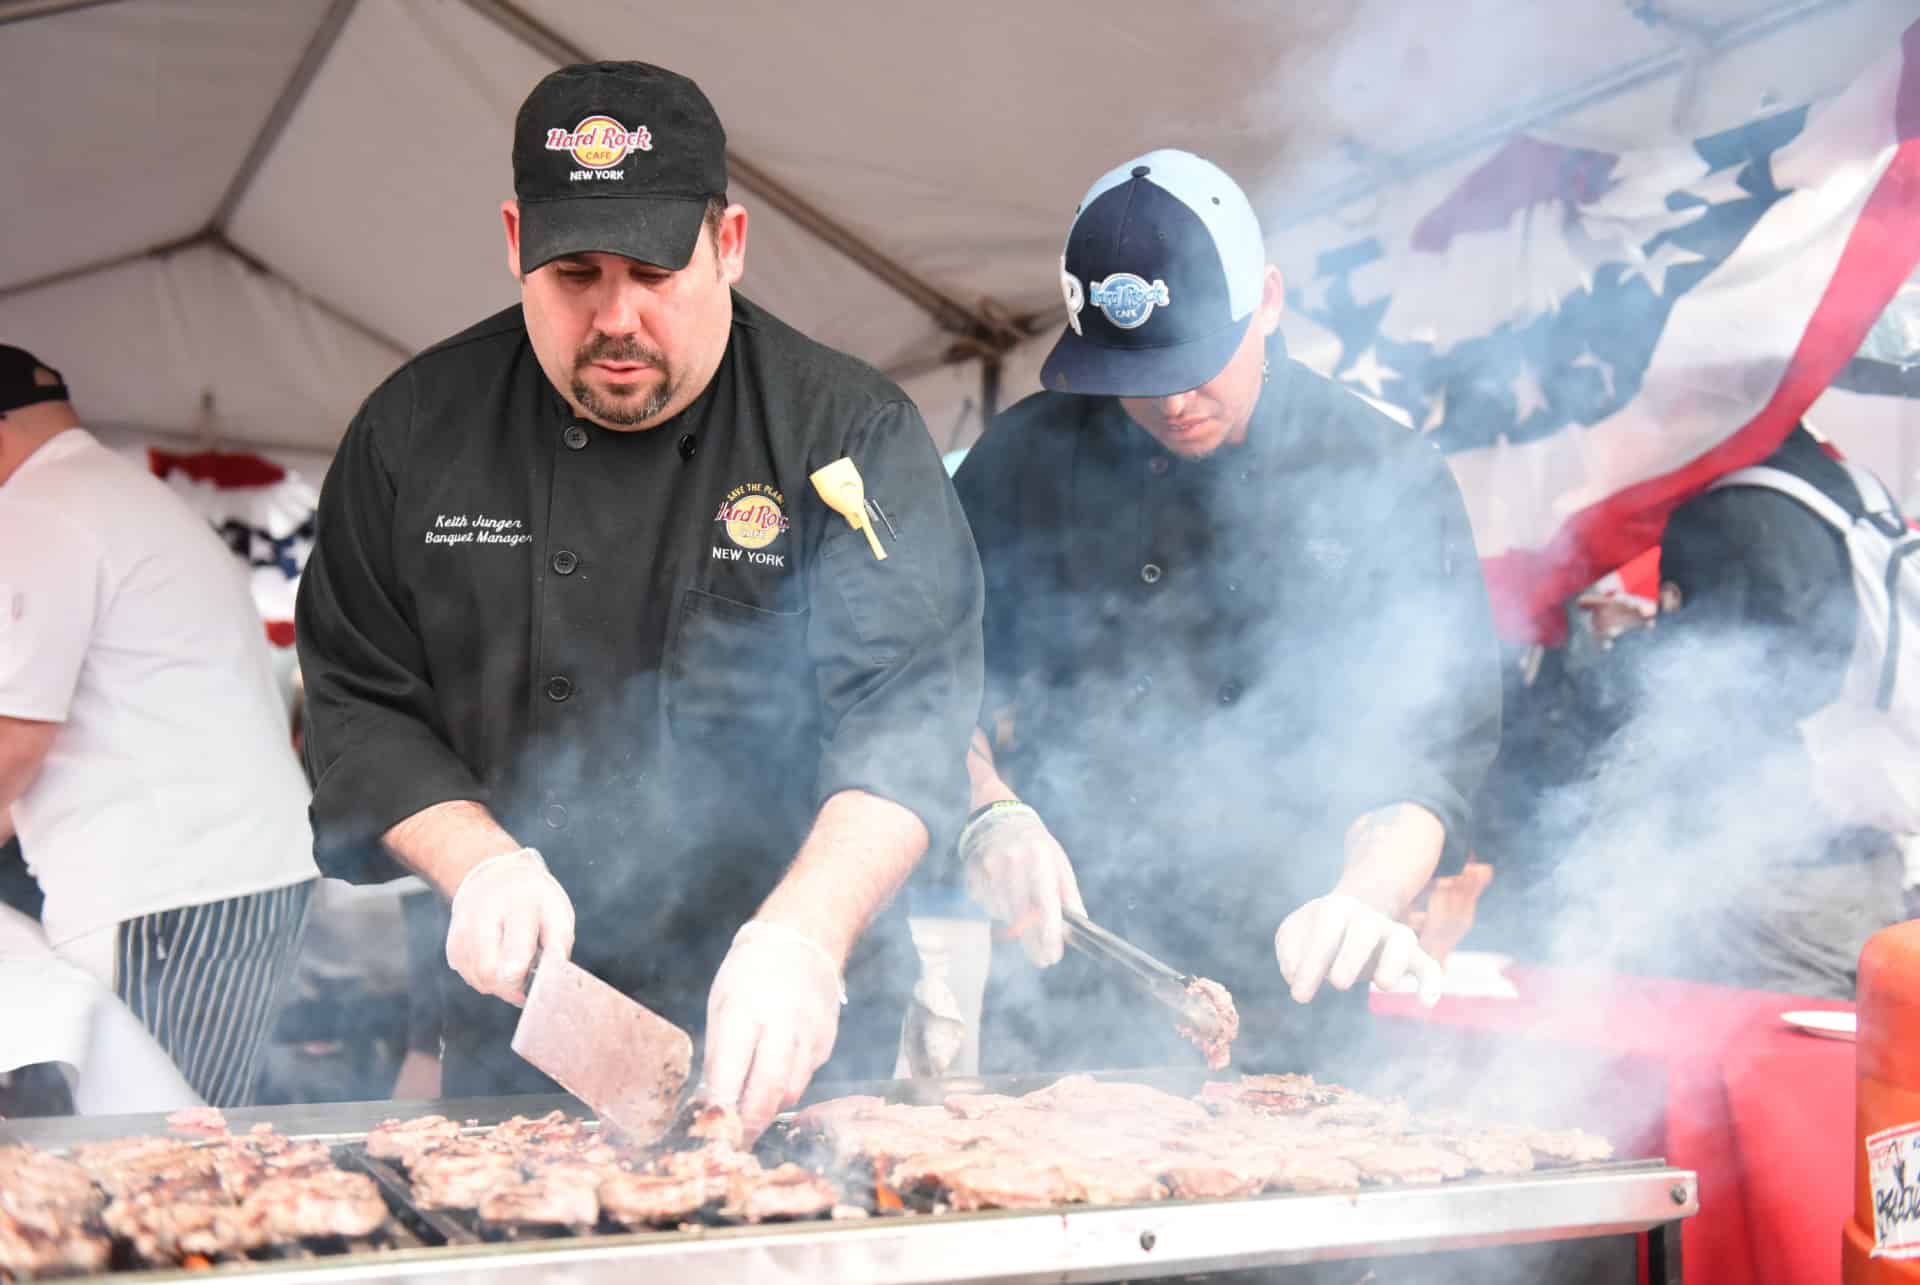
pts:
[25, 379]
[1163, 269]
[619, 157]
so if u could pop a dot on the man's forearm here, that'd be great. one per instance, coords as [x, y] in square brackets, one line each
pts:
[987, 786]
[861, 849]
[1391, 854]
[443, 842]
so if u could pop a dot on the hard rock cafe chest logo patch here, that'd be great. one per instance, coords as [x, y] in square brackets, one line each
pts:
[753, 515]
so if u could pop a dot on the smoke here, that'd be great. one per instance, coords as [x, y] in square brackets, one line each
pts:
[1680, 836]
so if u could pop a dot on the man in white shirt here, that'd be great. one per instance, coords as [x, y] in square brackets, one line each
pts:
[144, 752]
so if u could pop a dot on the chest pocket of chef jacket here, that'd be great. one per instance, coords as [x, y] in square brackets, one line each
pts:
[734, 668]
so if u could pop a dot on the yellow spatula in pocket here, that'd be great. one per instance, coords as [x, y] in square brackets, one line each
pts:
[840, 485]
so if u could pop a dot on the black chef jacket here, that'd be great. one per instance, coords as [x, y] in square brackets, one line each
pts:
[653, 655]
[1213, 667]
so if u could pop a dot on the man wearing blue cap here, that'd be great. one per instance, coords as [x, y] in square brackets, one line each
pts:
[1242, 680]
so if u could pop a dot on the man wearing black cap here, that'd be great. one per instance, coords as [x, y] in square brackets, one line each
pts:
[1240, 663]
[586, 649]
[143, 743]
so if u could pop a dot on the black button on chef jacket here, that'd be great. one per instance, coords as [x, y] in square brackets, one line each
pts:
[1209, 668]
[653, 654]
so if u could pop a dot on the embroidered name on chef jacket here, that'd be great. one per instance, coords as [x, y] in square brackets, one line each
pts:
[752, 516]
[478, 528]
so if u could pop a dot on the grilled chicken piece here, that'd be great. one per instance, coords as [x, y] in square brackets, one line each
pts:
[788, 1191]
[1007, 1184]
[45, 1194]
[165, 1221]
[1494, 1153]
[1216, 1045]
[977, 1106]
[1111, 1185]
[551, 1198]
[1314, 1171]
[1410, 1162]
[1567, 1146]
[27, 1252]
[129, 1164]
[402, 1140]
[654, 1199]
[459, 1174]
[1202, 1181]
[201, 1120]
[329, 1202]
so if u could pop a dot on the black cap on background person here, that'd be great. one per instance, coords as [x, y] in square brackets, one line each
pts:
[617, 158]
[25, 380]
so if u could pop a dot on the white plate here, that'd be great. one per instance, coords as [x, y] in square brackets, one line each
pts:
[1835, 1026]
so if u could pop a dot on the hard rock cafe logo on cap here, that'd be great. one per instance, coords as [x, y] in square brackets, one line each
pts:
[1128, 300]
[753, 515]
[599, 142]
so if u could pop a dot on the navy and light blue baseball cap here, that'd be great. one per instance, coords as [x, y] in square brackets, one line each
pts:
[1163, 269]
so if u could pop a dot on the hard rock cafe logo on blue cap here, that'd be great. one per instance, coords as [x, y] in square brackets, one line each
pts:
[1127, 300]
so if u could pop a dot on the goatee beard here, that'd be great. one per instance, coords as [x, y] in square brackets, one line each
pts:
[621, 412]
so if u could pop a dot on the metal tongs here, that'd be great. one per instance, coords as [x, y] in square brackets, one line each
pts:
[1158, 981]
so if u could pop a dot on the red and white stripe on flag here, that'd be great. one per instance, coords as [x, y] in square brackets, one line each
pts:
[264, 513]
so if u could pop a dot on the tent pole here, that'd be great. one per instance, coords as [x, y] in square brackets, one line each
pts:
[163, 250]
[21, 10]
[324, 38]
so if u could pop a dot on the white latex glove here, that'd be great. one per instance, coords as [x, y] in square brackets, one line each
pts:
[507, 912]
[772, 1016]
[1336, 938]
[1019, 874]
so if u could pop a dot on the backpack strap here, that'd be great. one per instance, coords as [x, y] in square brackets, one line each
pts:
[1877, 500]
[1798, 488]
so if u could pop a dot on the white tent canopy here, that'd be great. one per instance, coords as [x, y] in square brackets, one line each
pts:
[226, 220]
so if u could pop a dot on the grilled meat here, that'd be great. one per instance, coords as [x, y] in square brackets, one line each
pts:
[27, 1252]
[45, 1194]
[788, 1191]
[1491, 1152]
[459, 1174]
[328, 1202]
[1008, 1184]
[1216, 1041]
[201, 1120]
[1410, 1162]
[1568, 1146]
[402, 1140]
[654, 1199]
[554, 1197]
[1212, 1182]
[1315, 1171]
[712, 1122]
[977, 1106]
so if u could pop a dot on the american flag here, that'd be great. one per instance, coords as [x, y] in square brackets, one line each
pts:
[1593, 337]
[263, 512]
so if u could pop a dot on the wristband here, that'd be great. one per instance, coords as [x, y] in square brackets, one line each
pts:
[986, 815]
[794, 934]
[987, 809]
